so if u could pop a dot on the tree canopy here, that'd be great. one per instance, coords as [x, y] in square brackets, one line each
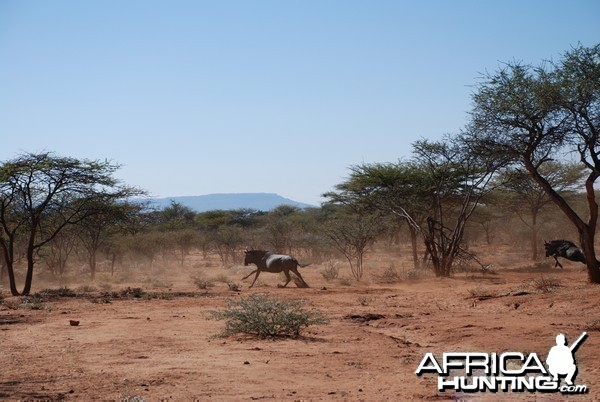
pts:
[41, 194]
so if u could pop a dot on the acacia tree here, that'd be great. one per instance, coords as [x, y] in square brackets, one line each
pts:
[41, 194]
[227, 241]
[534, 115]
[389, 187]
[58, 251]
[96, 230]
[458, 180]
[351, 232]
[436, 193]
[280, 229]
[489, 215]
[176, 216]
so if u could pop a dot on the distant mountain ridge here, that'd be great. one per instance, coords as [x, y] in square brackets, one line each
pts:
[229, 201]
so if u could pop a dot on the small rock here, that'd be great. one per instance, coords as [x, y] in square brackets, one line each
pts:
[73, 323]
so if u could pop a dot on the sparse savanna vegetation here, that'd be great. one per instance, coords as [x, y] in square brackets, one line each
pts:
[100, 290]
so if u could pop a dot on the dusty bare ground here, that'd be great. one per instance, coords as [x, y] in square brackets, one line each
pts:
[164, 348]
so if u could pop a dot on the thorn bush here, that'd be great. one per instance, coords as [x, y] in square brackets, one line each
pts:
[546, 285]
[266, 317]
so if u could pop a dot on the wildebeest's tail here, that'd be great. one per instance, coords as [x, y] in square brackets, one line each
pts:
[300, 265]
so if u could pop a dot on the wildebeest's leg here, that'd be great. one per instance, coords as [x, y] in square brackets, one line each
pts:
[247, 276]
[287, 276]
[557, 263]
[295, 271]
[255, 278]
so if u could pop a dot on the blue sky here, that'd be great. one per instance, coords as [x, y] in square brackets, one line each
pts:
[199, 97]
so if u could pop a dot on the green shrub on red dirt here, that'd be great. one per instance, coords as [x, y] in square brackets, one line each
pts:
[267, 317]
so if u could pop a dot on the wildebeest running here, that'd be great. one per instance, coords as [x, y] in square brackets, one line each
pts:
[275, 263]
[564, 249]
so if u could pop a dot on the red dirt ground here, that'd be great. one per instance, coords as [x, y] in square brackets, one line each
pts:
[165, 348]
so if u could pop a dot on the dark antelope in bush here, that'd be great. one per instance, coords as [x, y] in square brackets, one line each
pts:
[564, 249]
[269, 262]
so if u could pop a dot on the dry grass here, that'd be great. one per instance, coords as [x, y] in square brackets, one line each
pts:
[546, 285]
[389, 275]
[331, 272]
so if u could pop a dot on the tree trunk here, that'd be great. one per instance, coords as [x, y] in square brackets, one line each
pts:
[534, 237]
[11, 279]
[2, 268]
[112, 264]
[29, 275]
[359, 267]
[593, 265]
[92, 262]
[426, 257]
[433, 253]
[488, 234]
[413, 242]
[30, 258]
[9, 261]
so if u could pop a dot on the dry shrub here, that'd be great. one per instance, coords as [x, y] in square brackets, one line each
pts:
[331, 272]
[86, 289]
[479, 293]
[11, 304]
[364, 301]
[390, 275]
[415, 274]
[133, 398]
[105, 286]
[345, 281]
[128, 293]
[266, 317]
[133, 292]
[203, 284]
[53, 293]
[34, 302]
[546, 285]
